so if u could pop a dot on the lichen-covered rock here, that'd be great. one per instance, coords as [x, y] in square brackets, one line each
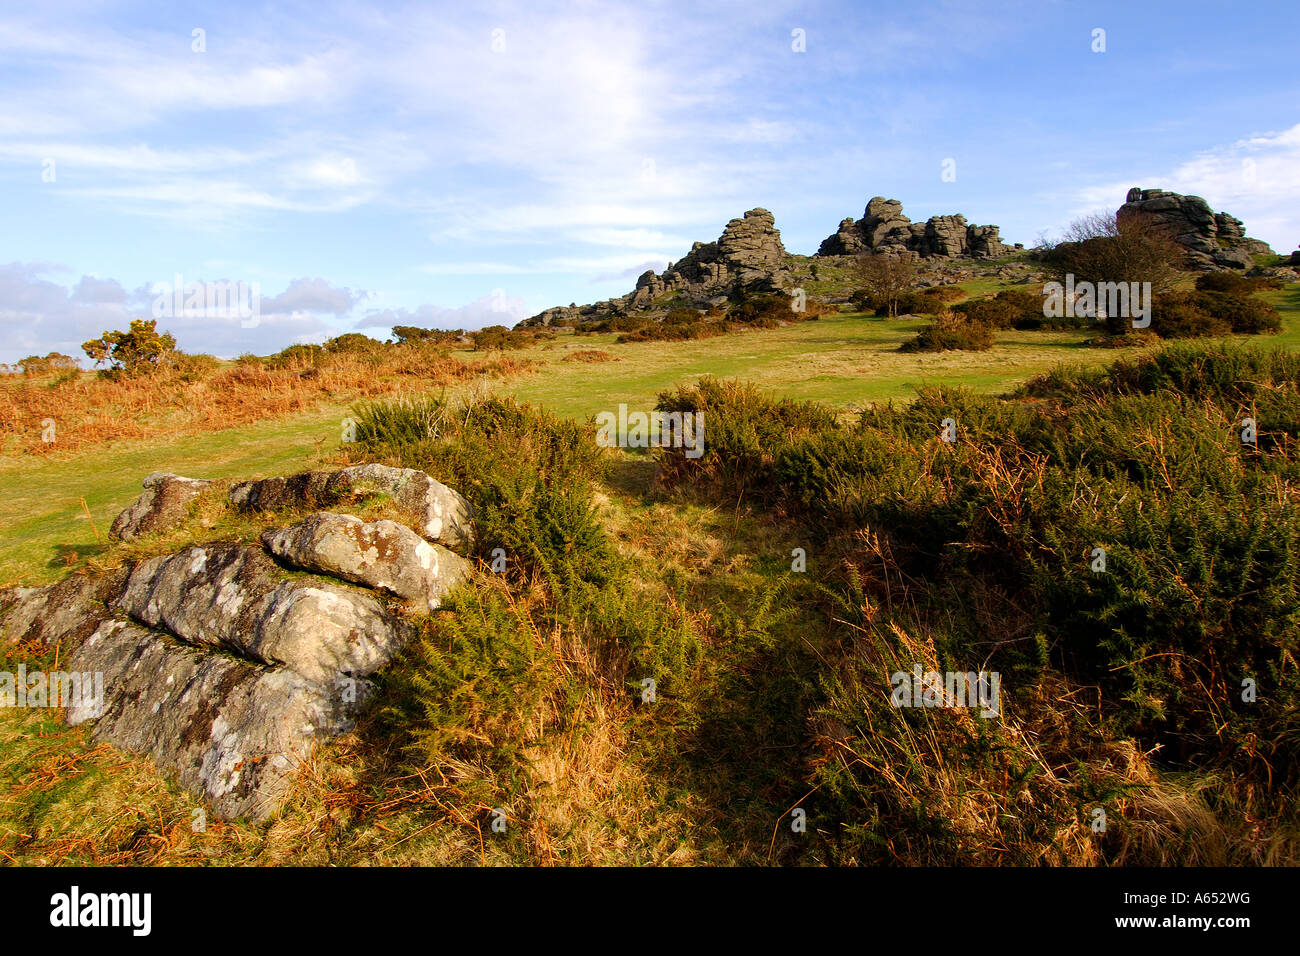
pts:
[442, 515]
[224, 667]
[228, 729]
[161, 507]
[234, 597]
[64, 613]
[439, 513]
[383, 555]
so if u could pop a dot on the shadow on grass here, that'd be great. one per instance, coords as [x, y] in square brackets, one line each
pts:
[632, 474]
[68, 556]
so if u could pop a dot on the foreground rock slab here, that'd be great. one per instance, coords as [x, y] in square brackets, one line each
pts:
[234, 597]
[383, 555]
[232, 731]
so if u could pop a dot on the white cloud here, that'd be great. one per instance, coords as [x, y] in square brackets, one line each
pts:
[1254, 179]
[314, 295]
[39, 315]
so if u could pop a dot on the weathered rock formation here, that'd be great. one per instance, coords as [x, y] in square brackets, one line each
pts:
[383, 555]
[1212, 240]
[884, 229]
[225, 667]
[748, 257]
[162, 505]
[441, 514]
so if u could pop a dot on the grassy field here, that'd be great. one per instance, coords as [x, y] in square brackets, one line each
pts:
[848, 361]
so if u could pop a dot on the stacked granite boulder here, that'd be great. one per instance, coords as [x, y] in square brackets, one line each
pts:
[227, 662]
[748, 257]
[884, 229]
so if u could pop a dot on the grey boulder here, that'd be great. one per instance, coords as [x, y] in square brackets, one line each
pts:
[383, 555]
[233, 597]
[161, 507]
[229, 730]
[437, 512]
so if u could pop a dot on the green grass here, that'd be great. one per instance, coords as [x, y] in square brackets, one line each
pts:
[848, 361]
[40, 508]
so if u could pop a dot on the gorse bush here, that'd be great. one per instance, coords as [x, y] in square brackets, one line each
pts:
[411, 333]
[134, 352]
[401, 423]
[1220, 372]
[1204, 313]
[1199, 531]
[499, 337]
[1181, 315]
[1227, 281]
[743, 429]
[1244, 314]
[354, 343]
[683, 316]
[1010, 307]
[951, 332]
[763, 311]
[50, 364]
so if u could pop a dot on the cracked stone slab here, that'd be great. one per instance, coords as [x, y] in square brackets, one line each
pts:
[229, 730]
[383, 555]
[161, 507]
[234, 597]
[440, 514]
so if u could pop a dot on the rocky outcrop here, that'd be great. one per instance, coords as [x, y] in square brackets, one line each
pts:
[884, 229]
[224, 667]
[235, 598]
[163, 505]
[440, 514]
[382, 555]
[748, 257]
[1211, 240]
[230, 731]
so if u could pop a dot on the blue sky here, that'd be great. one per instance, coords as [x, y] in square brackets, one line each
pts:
[377, 163]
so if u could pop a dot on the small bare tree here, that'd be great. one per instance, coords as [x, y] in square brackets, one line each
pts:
[1104, 248]
[886, 278]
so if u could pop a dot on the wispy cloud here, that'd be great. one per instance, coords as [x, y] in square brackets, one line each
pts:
[1254, 178]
